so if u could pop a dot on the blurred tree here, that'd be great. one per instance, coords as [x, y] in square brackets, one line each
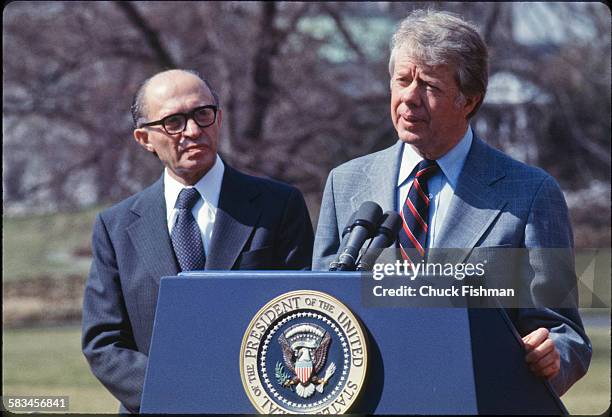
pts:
[304, 87]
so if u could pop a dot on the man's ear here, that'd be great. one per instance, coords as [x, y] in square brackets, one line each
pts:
[142, 137]
[470, 103]
[219, 118]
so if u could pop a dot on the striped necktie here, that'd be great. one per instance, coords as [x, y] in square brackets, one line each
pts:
[186, 235]
[415, 214]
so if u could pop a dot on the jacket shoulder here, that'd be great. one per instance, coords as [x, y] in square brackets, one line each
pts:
[514, 168]
[120, 209]
[358, 164]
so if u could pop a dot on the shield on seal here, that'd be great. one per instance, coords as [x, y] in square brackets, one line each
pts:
[303, 370]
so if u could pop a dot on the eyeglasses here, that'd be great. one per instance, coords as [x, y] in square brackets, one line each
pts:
[176, 123]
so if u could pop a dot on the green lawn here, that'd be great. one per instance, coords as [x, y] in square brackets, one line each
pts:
[49, 362]
[591, 394]
[45, 245]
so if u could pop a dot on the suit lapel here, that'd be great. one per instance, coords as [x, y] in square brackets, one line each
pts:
[380, 180]
[474, 205]
[149, 233]
[237, 215]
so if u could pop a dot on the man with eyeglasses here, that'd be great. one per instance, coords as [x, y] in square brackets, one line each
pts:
[201, 214]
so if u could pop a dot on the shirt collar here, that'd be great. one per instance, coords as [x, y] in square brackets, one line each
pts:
[209, 186]
[450, 164]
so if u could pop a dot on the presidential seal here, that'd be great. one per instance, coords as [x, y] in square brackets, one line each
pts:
[303, 353]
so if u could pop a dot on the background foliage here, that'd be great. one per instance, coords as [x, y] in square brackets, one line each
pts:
[304, 87]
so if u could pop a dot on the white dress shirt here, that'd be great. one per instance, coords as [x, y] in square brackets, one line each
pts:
[441, 185]
[205, 210]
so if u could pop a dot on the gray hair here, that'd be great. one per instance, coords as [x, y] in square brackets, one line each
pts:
[433, 37]
[138, 107]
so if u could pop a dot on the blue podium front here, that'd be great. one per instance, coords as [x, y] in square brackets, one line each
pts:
[420, 360]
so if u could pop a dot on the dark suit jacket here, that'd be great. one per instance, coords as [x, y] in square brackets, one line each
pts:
[260, 224]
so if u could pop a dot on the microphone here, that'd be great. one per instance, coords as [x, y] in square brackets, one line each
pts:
[367, 218]
[349, 226]
[390, 224]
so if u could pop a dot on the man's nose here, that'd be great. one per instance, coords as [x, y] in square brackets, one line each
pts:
[411, 94]
[192, 129]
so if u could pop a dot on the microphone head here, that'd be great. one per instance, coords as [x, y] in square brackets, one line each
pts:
[390, 225]
[368, 216]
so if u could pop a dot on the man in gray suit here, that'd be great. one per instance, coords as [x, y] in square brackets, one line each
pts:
[471, 195]
[201, 214]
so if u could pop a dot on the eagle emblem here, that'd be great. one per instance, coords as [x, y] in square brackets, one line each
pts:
[305, 348]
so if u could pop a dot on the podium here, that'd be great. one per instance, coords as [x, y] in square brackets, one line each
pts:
[420, 360]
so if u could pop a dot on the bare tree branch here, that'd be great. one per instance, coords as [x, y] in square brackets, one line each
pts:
[491, 22]
[150, 35]
[263, 85]
[346, 34]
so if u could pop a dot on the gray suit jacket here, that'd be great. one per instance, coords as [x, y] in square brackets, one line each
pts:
[261, 224]
[498, 201]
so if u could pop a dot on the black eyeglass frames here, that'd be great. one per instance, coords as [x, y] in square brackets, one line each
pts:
[203, 116]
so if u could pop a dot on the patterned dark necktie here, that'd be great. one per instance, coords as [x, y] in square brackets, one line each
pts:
[186, 235]
[415, 214]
